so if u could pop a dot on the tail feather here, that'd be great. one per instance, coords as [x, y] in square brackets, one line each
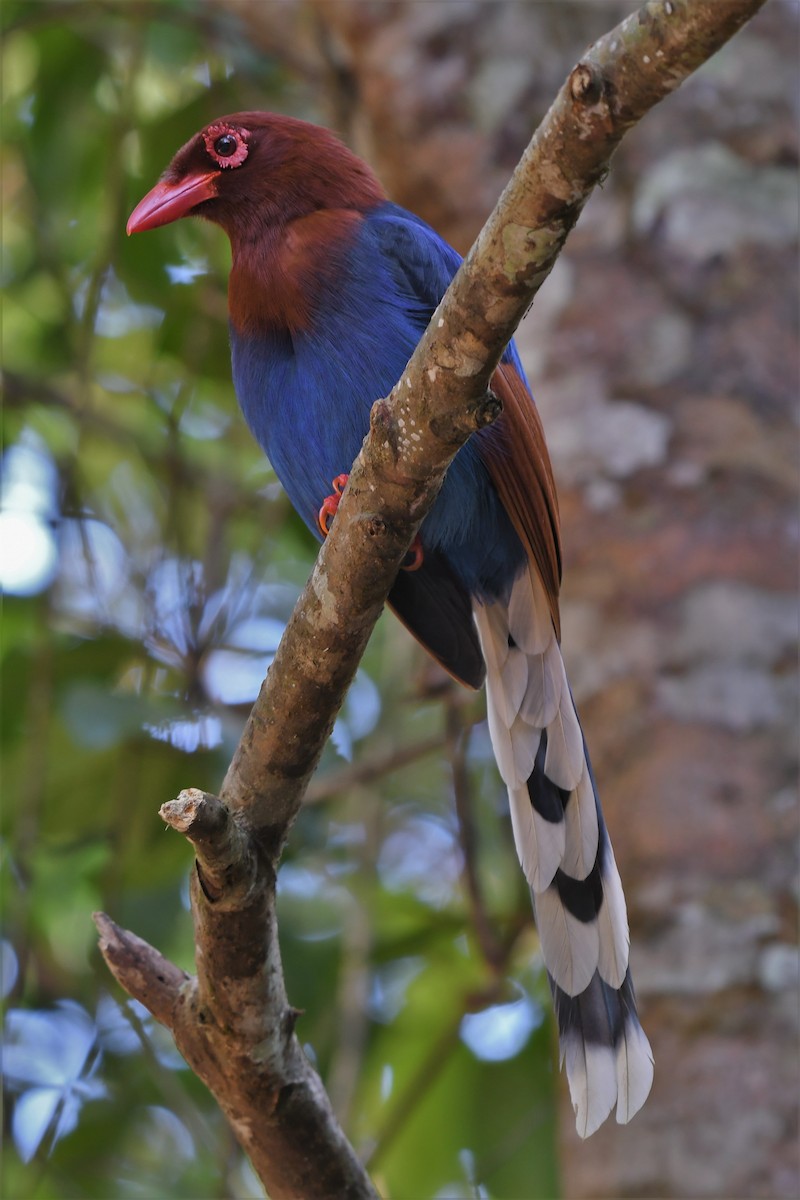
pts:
[566, 855]
[612, 920]
[593, 1086]
[570, 946]
[605, 1050]
[528, 616]
[514, 674]
[545, 681]
[540, 842]
[564, 763]
[582, 829]
[634, 1070]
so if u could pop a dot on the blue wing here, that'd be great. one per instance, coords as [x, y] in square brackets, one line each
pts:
[307, 395]
[422, 266]
[520, 491]
[468, 522]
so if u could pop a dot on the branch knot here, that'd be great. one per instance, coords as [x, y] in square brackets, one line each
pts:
[488, 410]
[586, 84]
[376, 527]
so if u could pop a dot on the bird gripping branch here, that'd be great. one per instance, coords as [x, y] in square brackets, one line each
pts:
[331, 288]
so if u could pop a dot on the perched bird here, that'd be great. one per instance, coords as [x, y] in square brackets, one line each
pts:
[331, 288]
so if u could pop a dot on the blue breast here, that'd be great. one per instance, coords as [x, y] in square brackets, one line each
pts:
[307, 396]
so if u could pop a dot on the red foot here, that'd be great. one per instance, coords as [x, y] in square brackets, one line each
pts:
[413, 560]
[414, 557]
[330, 505]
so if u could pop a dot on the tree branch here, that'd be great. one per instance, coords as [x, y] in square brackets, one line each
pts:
[494, 953]
[443, 397]
[233, 1023]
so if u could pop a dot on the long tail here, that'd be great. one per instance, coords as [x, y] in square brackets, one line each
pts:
[566, 855]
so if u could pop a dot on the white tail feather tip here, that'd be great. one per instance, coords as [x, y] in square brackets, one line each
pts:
[635, 1072]
[592, 1079]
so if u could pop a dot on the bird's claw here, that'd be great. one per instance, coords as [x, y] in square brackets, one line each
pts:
[330, 504]
[414, 557]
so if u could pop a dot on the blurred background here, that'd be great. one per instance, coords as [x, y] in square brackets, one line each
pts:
[149, 561]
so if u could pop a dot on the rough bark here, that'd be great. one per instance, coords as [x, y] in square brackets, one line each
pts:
[233, 1022]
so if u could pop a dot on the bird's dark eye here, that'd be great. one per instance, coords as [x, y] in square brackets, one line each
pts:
[225, 145]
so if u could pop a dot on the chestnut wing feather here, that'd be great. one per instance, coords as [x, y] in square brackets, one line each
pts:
[515, 454]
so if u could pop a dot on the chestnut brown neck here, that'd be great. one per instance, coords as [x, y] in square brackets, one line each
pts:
[277, 280]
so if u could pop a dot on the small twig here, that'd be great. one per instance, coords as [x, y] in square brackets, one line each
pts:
[235, 1028]
[227, 867]
[352, 1014]
[457, 742]
[423, 1078]
[143, 972]
[230, 494]
[168, 1081]
[373, 766]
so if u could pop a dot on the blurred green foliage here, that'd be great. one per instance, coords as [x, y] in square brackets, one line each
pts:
[149, 563]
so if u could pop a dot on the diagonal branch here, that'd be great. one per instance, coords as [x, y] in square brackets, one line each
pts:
[442, 396]
[233, 1023]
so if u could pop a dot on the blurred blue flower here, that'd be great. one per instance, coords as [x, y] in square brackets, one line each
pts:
[51, 1058]
[28, 509]
[500, 1031]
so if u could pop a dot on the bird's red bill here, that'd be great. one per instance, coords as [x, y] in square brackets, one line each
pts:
[168, 201]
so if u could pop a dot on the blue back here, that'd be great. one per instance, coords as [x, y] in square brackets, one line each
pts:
[307, 396]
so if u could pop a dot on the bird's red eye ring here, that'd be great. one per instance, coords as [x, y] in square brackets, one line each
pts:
[226, 145]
